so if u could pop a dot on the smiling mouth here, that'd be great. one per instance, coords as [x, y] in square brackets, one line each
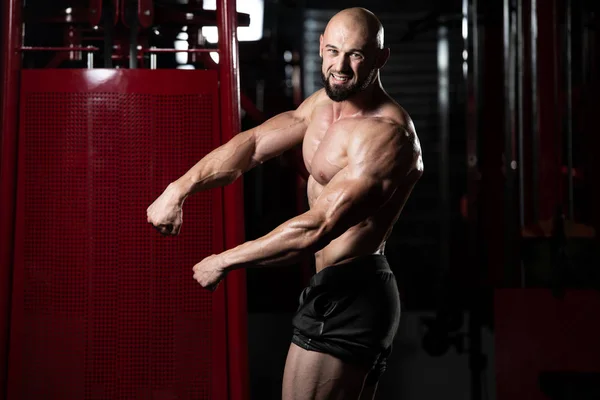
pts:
[340, 78]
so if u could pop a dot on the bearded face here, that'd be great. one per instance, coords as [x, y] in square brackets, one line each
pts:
[342, 85]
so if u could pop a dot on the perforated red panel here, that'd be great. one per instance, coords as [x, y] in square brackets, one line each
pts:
[109, 308]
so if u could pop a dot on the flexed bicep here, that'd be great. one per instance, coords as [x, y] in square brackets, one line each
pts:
[277, 135]
[282, 132]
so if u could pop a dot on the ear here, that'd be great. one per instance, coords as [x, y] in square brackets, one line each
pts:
[384, 55]
[321, 46]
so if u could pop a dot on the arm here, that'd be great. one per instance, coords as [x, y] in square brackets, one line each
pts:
[227, 162]
[244, 151]
[248, 149]
[379, 157]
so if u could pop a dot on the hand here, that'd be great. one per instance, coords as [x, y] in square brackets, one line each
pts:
[209, 272]
[165, 213]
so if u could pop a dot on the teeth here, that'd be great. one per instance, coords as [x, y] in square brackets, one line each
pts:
[340, 78]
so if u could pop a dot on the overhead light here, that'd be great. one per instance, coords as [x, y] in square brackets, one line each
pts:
[69, 10]
[254, 8]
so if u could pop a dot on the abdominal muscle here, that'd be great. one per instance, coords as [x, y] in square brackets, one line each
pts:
[367, 237]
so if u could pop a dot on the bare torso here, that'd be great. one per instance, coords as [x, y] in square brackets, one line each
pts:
[324, 152]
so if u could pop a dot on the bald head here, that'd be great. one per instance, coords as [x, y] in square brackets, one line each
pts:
[352, 51]
[358, 20]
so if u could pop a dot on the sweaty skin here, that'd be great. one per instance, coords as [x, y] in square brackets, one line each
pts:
[364, 158]
[362, 153]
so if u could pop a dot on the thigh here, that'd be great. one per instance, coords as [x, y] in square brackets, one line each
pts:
[311, 375]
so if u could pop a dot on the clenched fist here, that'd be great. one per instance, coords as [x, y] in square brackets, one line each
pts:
[165, 213]
[209, 272]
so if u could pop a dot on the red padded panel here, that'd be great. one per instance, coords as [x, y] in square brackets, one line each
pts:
[104, 307]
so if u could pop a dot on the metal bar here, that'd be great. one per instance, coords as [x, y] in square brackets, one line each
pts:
[473, 152]
[476, 76]
[465, 36]
[470, 44]
[509, 79]
[11, 68]
[133, 41]
[557, 114]
[67, 49]
[117, 14]
[569, 79]
[535, 127]
[153, 60]
[123, 12]
[123, 57]
[519, 104]
[145, 13]
[151, 50]
[443, 61]
[470, 50]
[235, 284]
[90, 60]
[111, 8]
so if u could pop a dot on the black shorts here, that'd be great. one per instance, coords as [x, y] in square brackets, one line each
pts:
[350, 311]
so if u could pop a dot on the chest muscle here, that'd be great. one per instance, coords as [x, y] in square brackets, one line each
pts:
[324, 148]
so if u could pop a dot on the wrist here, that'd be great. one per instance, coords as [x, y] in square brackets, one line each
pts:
[180, 190]
[227, 260]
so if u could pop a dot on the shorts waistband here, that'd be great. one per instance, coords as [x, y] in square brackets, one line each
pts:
[356, 269]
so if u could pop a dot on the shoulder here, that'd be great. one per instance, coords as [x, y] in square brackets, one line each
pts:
[401, 124]
[385, 130]
[311, 103]
[387, 144]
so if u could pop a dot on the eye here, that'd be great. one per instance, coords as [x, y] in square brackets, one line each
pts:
[356, 55]
[332, 51]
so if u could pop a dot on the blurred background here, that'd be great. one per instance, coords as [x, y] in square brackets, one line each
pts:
[496, 253]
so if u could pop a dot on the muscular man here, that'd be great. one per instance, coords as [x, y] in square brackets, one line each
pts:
[363, 156]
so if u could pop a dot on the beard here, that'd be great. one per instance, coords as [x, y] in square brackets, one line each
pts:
[339, 93]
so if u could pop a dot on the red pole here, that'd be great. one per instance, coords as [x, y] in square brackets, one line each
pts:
[235, 286]
[11, 64]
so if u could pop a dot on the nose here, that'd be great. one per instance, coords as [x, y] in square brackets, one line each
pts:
[341, 63]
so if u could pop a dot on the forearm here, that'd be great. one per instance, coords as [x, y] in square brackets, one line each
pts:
[295, 239]
[220, 167]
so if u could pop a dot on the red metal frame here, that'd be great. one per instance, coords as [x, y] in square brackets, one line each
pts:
[237, 328]
[11, 36]
[117, 9]
[234, 288]
[121, 81]
[145, 12]
[29, 48]
[121, 4]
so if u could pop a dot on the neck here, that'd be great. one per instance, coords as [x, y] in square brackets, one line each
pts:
[360, 102]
